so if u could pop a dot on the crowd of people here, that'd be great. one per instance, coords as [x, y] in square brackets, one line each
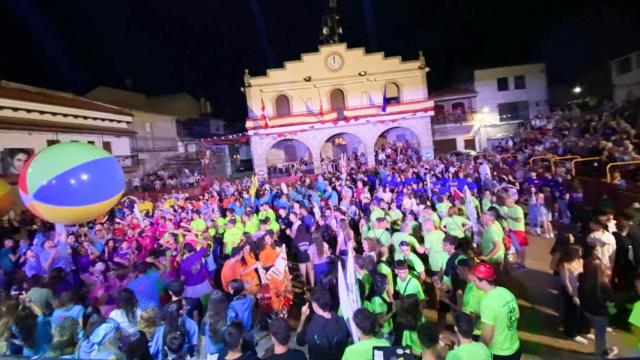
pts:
[198, 277]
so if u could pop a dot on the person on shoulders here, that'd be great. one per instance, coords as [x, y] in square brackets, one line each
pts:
[366, 324]
[280, 332]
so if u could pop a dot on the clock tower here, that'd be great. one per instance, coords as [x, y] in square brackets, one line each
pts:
[331, 29]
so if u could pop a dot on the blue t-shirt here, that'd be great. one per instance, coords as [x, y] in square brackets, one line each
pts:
[147, 288]
[241, 308]
[5, 259]
[75, 311]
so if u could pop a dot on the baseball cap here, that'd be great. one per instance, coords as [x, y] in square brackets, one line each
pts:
[483, 271]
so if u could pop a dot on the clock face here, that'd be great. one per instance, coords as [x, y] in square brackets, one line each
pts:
[334, 62]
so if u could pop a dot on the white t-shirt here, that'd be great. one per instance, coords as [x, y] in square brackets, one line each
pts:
[126, 324]
[605, 246]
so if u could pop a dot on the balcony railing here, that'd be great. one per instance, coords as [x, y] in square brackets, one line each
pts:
[453, 118]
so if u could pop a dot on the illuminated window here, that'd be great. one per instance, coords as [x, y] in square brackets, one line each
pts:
[393, 93]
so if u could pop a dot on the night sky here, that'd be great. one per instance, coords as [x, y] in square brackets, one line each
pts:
[202, 46]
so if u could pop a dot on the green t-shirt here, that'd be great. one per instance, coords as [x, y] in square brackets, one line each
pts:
[366, 279]
[267, 214]
[199, 226]
[500, 309]
[414, 262]
[454, 225]
[377, 213]
[411, 340]
[442, 208]
[409, 286]
[471, 351]
[515, 211]
[363, 349]
[379, 307]
[395, 215]
[471, 299]
[490, 234]
[486, 203]
[382, 236]
[634, 318]
[399, 237]
[232, 238]
[252, 225]
[437, 261]
[433, 242]
[385, 269]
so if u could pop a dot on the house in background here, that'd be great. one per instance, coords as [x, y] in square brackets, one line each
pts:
[155, 119]
[482, 114]
[33, 118]
[625, 77]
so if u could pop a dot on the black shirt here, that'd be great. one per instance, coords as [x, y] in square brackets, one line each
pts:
[289, 355]
[326, 338]
[451, 270]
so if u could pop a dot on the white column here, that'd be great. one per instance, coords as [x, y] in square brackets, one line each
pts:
[259, 156]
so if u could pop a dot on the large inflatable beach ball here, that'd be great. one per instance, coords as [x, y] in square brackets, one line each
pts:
[6, 198]
[71, 183]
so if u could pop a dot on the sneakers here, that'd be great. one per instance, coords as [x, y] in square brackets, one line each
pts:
[580, 340]
[610, 353]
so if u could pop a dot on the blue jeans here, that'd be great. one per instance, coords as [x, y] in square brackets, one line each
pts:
[599, 324]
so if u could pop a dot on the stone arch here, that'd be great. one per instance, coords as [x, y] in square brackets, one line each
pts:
[288, 156]
[332, 145]
[397, 133]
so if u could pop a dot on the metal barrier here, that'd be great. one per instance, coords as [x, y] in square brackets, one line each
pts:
[539, 158]
[619, 164]
[554, 159]
[573, 163]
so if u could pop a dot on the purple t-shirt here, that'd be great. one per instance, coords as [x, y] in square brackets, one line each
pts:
[193, 270]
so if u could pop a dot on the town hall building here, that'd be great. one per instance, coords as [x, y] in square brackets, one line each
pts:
[337, 100]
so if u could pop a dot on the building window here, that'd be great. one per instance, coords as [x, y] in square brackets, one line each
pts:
[513, 111]
[503, 84]
[393, 93]
[337, 102]
[91, 142]
[106, 145]
[623, 66]
[283, 107]
[439, 114]
[470, 144]
[458, 113]
[519, 82]
[52, 142]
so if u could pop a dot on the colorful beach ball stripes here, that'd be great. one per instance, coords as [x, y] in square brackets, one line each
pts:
[71, 183]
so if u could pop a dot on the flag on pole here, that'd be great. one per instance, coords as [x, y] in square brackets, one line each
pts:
[346, 303]
[471, 212]
[264, 119]
[321, 106]
[384, 99]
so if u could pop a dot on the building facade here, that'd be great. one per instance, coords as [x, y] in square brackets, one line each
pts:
[625, 77]
[334, 101]
[154, 120]
[33, 118]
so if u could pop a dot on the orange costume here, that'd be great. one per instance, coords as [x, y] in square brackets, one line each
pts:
[231, 270]
[250, 277]
[278, 280]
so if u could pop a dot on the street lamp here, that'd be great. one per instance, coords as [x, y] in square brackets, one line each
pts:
[577, 90]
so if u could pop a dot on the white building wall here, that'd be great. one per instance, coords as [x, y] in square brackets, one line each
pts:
[536, 92]
[626, 86]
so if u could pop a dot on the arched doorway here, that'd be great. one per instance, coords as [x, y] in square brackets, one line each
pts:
[395, 141]
[283, 107]
[341, 144]
[336, 99]
[289, 157]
